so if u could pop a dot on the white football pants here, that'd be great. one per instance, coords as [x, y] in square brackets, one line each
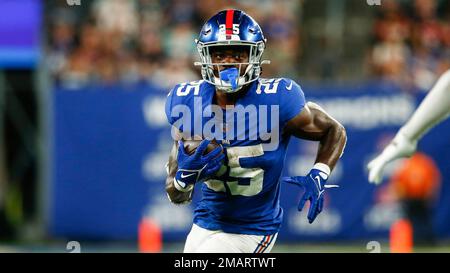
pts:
[201, 240]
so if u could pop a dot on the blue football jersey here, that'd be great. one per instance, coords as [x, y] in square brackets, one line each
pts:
[244, 199]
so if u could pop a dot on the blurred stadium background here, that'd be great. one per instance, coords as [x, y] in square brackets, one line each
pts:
[83, 136]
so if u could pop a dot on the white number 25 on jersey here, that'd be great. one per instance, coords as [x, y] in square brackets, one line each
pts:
[253, 177]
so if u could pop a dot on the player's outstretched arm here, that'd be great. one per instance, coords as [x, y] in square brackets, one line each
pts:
[431, 111]
[313, 123]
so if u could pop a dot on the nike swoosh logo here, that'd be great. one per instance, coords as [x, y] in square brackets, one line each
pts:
[318, 185]
[182, 184]
[289, 87]
[317, 178]
[184, 176]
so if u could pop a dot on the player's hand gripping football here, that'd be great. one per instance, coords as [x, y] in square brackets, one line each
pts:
[314, 186]
[196, 167]
[400, 146]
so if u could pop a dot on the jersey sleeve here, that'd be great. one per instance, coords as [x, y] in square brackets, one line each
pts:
[292, 99]
[168, 106]
[178, 107]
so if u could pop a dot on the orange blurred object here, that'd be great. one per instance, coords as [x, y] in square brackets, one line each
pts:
[149, 236]
[417, 178]
[401, 237]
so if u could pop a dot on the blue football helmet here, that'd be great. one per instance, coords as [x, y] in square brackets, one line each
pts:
[231, 28]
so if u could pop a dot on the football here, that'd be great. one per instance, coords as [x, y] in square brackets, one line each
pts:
[191, 145]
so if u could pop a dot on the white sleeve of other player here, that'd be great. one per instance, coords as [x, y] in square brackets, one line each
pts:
[433, 109]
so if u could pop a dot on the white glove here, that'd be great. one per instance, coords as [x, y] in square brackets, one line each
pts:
[399, 147]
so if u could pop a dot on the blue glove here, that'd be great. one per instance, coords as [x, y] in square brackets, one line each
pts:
[314, 186]
[196, 167]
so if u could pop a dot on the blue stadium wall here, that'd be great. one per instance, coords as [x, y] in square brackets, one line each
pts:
[110, 144]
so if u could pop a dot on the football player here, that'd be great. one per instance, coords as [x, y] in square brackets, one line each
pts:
[431, 111]
[240, 207]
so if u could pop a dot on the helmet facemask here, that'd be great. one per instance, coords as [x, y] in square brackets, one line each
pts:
[247, 71]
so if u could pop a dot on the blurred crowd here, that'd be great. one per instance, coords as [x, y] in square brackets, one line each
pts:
[411, 44]
[110, 42]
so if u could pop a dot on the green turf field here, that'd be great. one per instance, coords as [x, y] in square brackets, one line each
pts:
[130, 247]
